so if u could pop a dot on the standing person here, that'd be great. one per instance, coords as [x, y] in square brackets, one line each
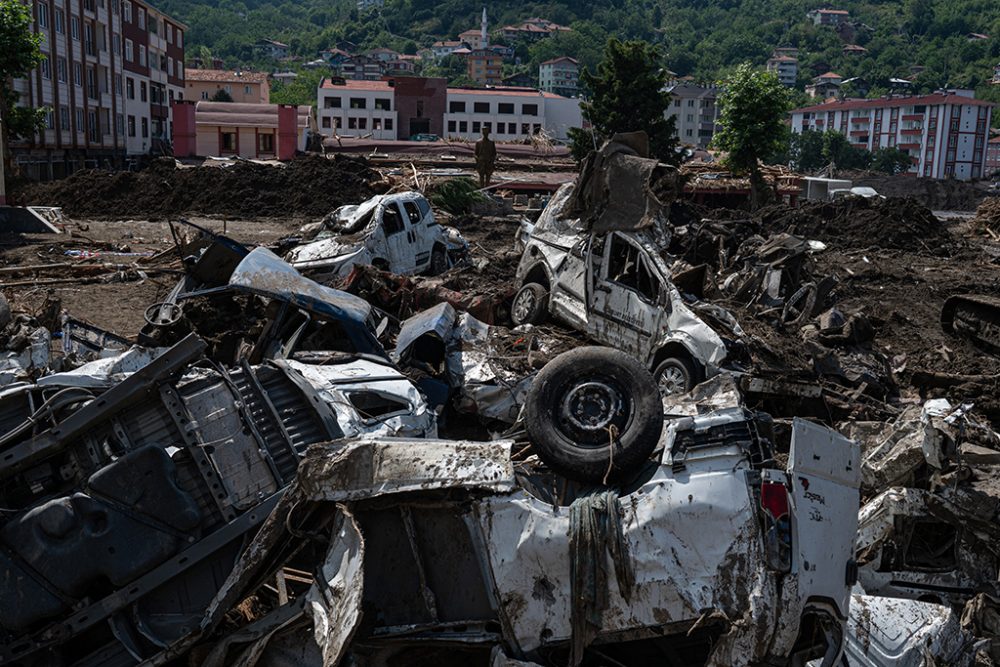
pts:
[486, 157]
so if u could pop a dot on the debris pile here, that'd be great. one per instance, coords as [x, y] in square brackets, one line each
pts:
[308, 186]
[724, 437]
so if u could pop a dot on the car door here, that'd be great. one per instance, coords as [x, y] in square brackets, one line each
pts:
[624, 309]
[421, 234]
[398, 234]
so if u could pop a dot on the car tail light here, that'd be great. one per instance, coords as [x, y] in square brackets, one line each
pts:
[777, 525]
[774, 499]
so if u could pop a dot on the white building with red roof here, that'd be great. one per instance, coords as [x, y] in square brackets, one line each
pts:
[945, 133]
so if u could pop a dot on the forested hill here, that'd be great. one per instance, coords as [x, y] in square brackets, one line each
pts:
[699, 37]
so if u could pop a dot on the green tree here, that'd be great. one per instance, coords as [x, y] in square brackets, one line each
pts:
[839, 152]
[627, 94]
[891, 160]
[19, 54]
[222, 95]
[805, 152]
[752, 109]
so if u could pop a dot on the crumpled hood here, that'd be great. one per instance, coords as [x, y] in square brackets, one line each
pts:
[324, 249]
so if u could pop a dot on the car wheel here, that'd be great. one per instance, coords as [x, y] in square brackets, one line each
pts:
[675, 375]
[593, 414]
[439, 261]
[530, 305]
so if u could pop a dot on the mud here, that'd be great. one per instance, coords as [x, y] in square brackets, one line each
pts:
[308, 186]
[936, 194]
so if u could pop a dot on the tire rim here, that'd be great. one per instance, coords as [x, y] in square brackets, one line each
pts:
[590, 407]
[523, 305]
[672, 381]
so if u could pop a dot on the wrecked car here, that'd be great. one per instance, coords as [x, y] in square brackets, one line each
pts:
[615, 287]
[455, 551]
[394, 232]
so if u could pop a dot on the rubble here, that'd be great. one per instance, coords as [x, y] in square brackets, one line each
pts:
[255, 475]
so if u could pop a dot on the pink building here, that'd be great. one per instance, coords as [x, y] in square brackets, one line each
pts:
[264, 131]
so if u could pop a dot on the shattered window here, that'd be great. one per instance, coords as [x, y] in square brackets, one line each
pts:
[626, 267]
[324, 336]
[932, 546]
[412, 211]
[372, 405]
[392, 221]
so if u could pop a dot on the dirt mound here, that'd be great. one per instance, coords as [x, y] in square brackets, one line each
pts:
[936, 194]
[308, 186]
[901, 224]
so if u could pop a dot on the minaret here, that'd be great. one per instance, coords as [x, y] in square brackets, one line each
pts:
[484, 37]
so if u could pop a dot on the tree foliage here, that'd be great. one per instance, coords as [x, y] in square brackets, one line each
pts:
[19, 54]
[222, 95]
[752, 109]
[627, 95]
[891, 160]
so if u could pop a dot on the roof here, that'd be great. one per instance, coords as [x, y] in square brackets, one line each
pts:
[224, 76]
[382, 49]
[354, 84]
[273, 42]
[782, 59]
[336, 52]
[447, 43]
[994, 140]
[882, 102]
[840, 12]
[238, 114]
[829, 75]
[854, 47]
[560, 59]
[505, 91]
[471, 31]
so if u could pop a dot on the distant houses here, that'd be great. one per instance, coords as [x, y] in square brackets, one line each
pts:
[560, 76]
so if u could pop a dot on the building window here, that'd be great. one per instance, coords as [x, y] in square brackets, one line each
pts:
[74, 27]
[229, 142]
[118, 84]
[326, 122]
[265, 143]
[463, 126]
[204, 94]
[481, 107]
[383, 104]
[506, 108]
[180, 40]
[352, 123]
[64, 118]
[331, 102]
[476, 127]
[529, 109]
[142, 91]
[511, 128]
[120, 123]
[60, 22]
[142, 19]
[43, 15]
[131, 126]
[61, 68]
[79, 120]
[376, 123]
[127, 6]
[456, 107]
[145, 128]
[77, 74]
[142, 55]
[117, 42]
[488, 127]
[452, 126]
[362, 123]
[359, 103]
[170, 34]
[388, 123]
[129, 52]
[46, 72]
[50, 120]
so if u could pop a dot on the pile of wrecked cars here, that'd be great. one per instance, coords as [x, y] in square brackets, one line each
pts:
[276, 474]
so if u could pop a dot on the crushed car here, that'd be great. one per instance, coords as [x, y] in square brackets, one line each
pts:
[394, 232]
[702, 548]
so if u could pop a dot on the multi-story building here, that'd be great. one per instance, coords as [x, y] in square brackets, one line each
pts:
[109, 70]
[786, 67]
[248, 87]
[945, 134]
[270, 48]
[831, 17]
[361, 67]
[383, 54]
[825, 85]
[400, 108]
[532, 29]
[695, 112]
[473, 39]
[446, 48]
[483, 66]
[560, 76]
[992, 156]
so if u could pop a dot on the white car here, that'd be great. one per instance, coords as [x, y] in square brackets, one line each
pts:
[394, 232]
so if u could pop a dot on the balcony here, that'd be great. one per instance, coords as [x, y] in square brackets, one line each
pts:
[860, 133]
[861, 119]
[913, 131]
[910, 147]
[913, 117]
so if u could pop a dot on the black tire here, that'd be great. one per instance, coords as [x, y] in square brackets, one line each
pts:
[530, 305]
[574, 402]
[675, 375]
[439, 261]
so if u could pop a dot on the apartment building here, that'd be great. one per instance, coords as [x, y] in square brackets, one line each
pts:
[484, 67]
[109, 71]
[400, 108]
[825, 85]
[245, 87]
[560, 76]
[786, 67]
[945, 134]
[992, 156]
[695, 112]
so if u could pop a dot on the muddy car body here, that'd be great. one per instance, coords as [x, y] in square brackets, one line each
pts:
[449, 548]
[614, 287]
[395, 232]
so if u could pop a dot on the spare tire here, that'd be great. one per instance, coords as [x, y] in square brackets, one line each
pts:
[594, 414]
[530, 305]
